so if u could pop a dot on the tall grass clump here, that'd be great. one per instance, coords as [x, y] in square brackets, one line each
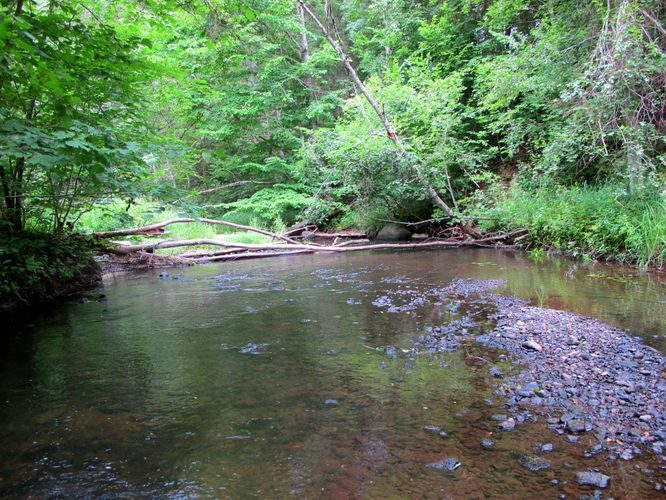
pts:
[598, 222]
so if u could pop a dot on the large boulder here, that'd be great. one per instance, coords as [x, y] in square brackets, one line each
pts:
[394, 232]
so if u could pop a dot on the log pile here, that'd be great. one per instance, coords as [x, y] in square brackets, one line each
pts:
[282, 244]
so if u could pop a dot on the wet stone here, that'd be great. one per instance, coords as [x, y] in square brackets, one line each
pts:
[447, 464]
[508, 425]
[596, 479]
[487, 443]
[576, 426]
[533, 463]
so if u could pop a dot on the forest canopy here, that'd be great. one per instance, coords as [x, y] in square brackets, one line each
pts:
[543, 114]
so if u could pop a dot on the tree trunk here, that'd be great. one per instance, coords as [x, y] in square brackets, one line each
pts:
[390, 131]
[308, 82]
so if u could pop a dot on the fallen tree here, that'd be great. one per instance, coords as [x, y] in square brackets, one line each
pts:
[285, 245]
[158, 228]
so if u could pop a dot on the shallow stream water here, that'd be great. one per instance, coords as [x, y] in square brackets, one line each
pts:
[274, 377]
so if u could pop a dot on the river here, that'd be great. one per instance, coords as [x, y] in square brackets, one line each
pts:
[273, 378]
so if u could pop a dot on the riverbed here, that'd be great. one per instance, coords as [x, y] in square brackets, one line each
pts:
[299, 376]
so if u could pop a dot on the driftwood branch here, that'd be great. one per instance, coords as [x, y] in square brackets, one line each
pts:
[283, 247]
[249, 255]
[146, 247]
[158, 228]
[341, 234]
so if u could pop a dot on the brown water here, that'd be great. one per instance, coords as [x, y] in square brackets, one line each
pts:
[147, 394]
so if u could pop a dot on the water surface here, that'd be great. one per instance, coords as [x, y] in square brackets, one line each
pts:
[149, 392]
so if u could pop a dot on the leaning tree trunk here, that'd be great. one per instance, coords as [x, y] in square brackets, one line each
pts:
[390, 131]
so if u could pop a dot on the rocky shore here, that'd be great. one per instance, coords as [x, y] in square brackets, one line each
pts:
[599, 378]
[579, 374]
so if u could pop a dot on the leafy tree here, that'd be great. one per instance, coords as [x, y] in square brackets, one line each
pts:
[69, 94]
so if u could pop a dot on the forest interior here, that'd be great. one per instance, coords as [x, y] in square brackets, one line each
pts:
[271, 127]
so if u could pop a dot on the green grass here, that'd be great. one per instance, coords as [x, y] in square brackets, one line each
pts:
[584, 221]
[115, 216]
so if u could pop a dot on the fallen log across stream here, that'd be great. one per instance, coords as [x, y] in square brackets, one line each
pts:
[284, 246]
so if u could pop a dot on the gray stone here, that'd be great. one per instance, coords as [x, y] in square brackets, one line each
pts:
[533, 463]
[596, 479]
[394, 232]
[576, 425]
[508, 425]
[447, 464]
[487, 443]
[532, 345]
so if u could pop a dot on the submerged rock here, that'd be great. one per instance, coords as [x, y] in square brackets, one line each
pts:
[508, 425]
[253, 348]
[487, 443]
[447, 464]
[590, 478]
[533, 463]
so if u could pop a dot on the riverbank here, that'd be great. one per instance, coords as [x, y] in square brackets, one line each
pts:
[579, 375]
[604, 223]
[40, 267]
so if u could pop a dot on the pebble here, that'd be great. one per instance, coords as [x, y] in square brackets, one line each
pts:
[532, 345]
[547, 448]
[487, 443]
[331, 402]
[576, 425]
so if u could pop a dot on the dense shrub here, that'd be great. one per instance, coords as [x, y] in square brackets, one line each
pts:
[36, 267]
[603, 222]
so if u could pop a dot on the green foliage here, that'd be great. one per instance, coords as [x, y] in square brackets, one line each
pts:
[35, 267]
[278, 204]
[584, 221]
[67, 106]
[121, 113]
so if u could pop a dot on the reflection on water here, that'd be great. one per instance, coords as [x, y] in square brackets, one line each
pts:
[215, 383]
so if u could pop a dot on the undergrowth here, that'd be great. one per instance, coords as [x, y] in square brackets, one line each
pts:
[582, 221]
[35, 267]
